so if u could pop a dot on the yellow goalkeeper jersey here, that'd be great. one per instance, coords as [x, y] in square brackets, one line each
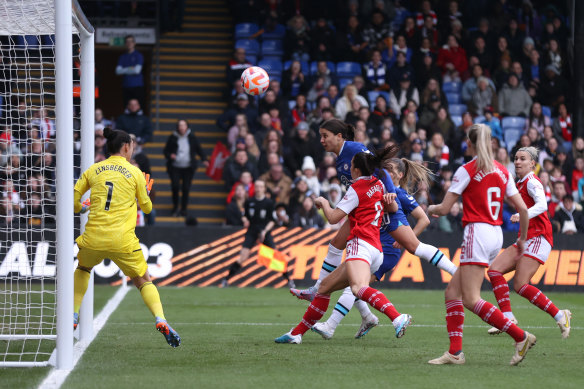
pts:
[115, 185]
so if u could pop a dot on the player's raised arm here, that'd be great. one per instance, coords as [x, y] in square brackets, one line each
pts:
[143, 190]
[81, 187]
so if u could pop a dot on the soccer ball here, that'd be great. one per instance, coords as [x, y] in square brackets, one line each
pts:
[255, 80]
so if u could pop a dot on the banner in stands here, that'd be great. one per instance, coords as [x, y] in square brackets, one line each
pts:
[200, 256]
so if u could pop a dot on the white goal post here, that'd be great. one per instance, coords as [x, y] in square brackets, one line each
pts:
[37, 58]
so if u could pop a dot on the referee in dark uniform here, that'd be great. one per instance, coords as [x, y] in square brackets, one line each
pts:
[259, 221]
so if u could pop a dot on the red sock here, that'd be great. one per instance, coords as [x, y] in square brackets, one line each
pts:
[490, 314]
[454, 324]
[537, 298]
[378, 301]
[501, 290]
[314, 313]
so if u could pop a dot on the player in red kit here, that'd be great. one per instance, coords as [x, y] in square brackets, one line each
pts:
[364, 203]
[483, 184]
[537, 248]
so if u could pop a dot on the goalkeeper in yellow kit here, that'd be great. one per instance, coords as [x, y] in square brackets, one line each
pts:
[115, 186]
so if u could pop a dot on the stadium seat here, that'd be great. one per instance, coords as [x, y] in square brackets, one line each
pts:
[457, 109]
[343, 82]
[272, 48]
[512, 136]
[278, 33]
[253, 59]
[303, 65]
[457, 120]
[348, 69]
[251, 46]
[245, 30]
[314, 66]
[272, 66]
[547, 111]
[372, 96]
[452, 87]
[291, 104]
[48, 40]
[513, 122]
[479, 119]
[453, 98]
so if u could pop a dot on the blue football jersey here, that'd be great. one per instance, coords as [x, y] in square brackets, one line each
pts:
[407, 201]
[349, 150]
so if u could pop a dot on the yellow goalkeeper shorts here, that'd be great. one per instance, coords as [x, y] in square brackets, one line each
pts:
[132, 264]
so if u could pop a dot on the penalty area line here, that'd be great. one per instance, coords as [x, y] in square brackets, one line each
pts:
[56, 377]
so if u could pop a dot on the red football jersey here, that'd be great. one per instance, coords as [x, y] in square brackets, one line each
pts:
[531, 190]
[363, 202]
[482, 193]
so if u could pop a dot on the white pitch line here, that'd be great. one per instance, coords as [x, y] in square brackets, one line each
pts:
[186, 324]
[56, 377]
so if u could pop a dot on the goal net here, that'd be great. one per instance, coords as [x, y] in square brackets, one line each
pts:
[30, 125]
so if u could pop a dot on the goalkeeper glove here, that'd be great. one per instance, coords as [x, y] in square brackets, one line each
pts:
[85, 206]
[149, 182]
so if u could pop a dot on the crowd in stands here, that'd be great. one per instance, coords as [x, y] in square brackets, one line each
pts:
[415, 73]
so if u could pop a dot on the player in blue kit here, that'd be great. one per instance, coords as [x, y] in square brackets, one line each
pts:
[334, 137]
[401, 172]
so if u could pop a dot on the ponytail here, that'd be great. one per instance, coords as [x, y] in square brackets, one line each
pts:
[413, 173]
[368, 162]
[116, 139]
[480, 137]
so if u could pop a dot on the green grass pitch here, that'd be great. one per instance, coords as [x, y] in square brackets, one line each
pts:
[228, 342]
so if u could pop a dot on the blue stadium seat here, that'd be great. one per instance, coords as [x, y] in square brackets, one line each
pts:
[547, 111]
[291, 104]
[479, 119]
[245, 30]
[251, 46]
[32, 41]
[272, 48]
[348, 69]
[273, 67]
[253, 59]
[514, 122]
[314, 67]
[343, 82]
[303, 65]
[453, 98]
[278, 33]
[457, 120]
[512, 136]
[372, 96]
[452, 87]
[457, 109]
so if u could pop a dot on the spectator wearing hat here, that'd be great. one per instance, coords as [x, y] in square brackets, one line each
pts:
[227, 118]
[528, 45]
[514, 99]
[452, 60]
[402, 94]
[309, 175]
[278, 184]
[554, 89]
[568, 218]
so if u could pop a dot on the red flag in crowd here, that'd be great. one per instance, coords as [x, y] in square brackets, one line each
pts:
[217, 160]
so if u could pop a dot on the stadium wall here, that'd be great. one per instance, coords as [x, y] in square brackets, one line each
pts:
[200, 256]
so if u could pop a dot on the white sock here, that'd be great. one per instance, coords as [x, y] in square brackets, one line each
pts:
[343, 306]
[509, 315]
[363, 308]
[559, 316]
[333, 259]
[435, 257]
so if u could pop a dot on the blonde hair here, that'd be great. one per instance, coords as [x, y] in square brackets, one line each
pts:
[532, 151]
[413, 173]
[480, 137]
